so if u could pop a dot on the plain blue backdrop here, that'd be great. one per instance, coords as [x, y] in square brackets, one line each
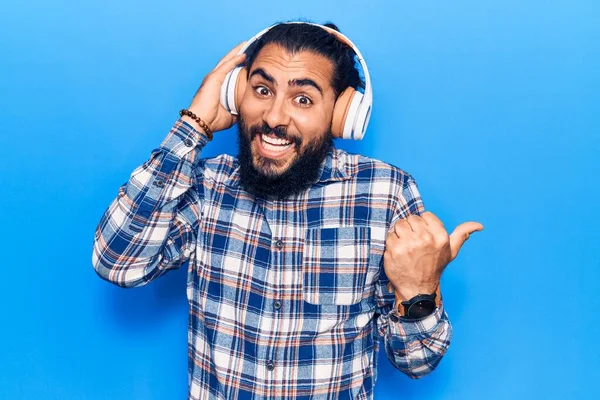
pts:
[492, 106]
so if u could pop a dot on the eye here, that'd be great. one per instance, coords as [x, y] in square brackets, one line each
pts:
[303, 101]
[262, 91]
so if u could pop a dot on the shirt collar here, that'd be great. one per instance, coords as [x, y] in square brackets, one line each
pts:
[334, 167]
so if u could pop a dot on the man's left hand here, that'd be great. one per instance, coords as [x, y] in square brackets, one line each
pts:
[418, 250]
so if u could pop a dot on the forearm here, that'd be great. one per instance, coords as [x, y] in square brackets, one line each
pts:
[145, 232]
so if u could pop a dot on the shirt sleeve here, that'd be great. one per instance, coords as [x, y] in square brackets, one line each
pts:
[415, 347]
[149, 228]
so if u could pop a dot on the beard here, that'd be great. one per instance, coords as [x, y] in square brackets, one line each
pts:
[262, 180]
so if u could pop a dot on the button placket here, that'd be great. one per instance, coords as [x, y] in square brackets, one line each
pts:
[270, 365]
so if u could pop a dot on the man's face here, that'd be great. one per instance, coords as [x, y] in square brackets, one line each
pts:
[286, 110]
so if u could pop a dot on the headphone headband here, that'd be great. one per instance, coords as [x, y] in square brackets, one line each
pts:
[358, 111]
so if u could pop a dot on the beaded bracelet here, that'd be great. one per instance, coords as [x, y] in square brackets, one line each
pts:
[200, 122]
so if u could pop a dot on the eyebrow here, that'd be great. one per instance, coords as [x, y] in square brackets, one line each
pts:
[293, 82]
[263, 74]
[306, 82]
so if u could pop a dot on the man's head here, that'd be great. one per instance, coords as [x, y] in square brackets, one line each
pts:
[295, 74]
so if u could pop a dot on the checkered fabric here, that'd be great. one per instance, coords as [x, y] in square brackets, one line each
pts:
[287, 298]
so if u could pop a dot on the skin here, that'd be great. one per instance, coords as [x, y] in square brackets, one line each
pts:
[292, 91]
[419, 248]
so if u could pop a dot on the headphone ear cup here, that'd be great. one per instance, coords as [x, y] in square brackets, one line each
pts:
[230, 90]
[240, 88]
[363, 114]
[340, 112]
[352, 118]
[225, 90]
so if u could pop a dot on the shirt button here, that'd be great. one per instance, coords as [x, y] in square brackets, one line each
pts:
[160, 183]
[188, 142]
[270, 365]
[394, 318]
[279, 244]
[277, 304]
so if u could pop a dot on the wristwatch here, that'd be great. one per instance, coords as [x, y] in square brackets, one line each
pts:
[420, 306]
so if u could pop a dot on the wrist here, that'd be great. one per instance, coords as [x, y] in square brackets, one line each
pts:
[406, 295]
[197, 122]
[205, 114]
[192, 122]
[405, 292]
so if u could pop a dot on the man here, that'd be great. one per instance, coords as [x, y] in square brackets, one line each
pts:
[300, 253]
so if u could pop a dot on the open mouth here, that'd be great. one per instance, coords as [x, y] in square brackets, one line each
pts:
[272, 146]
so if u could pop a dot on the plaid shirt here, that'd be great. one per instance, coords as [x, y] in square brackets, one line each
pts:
[288, 298]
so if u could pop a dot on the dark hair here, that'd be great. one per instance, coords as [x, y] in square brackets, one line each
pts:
[305, 37]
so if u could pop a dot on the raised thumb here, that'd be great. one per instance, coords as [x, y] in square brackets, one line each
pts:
[460, 235]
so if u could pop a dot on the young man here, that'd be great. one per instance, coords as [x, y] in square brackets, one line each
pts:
[300, 253]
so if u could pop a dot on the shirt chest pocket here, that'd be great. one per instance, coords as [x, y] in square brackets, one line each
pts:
[334, 264]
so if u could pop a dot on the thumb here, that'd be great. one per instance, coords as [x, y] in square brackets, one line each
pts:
[460, 235]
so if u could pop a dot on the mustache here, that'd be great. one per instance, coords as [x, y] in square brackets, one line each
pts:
[279, 131]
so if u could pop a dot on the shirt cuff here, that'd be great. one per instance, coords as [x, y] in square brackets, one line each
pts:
[401, 326]
[182, 139]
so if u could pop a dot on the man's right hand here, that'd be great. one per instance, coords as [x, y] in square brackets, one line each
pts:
[206, 103]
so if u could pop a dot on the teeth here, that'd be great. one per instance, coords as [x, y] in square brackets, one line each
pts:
[276, 149]
[275, 141]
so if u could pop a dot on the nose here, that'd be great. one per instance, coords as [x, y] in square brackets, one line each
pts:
[276, 114]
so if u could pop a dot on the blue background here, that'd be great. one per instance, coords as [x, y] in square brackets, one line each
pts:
[493, 107]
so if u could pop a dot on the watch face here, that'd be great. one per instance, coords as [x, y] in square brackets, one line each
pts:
[421, 309]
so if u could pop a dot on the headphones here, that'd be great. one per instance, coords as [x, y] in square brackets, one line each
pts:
[352, 108]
